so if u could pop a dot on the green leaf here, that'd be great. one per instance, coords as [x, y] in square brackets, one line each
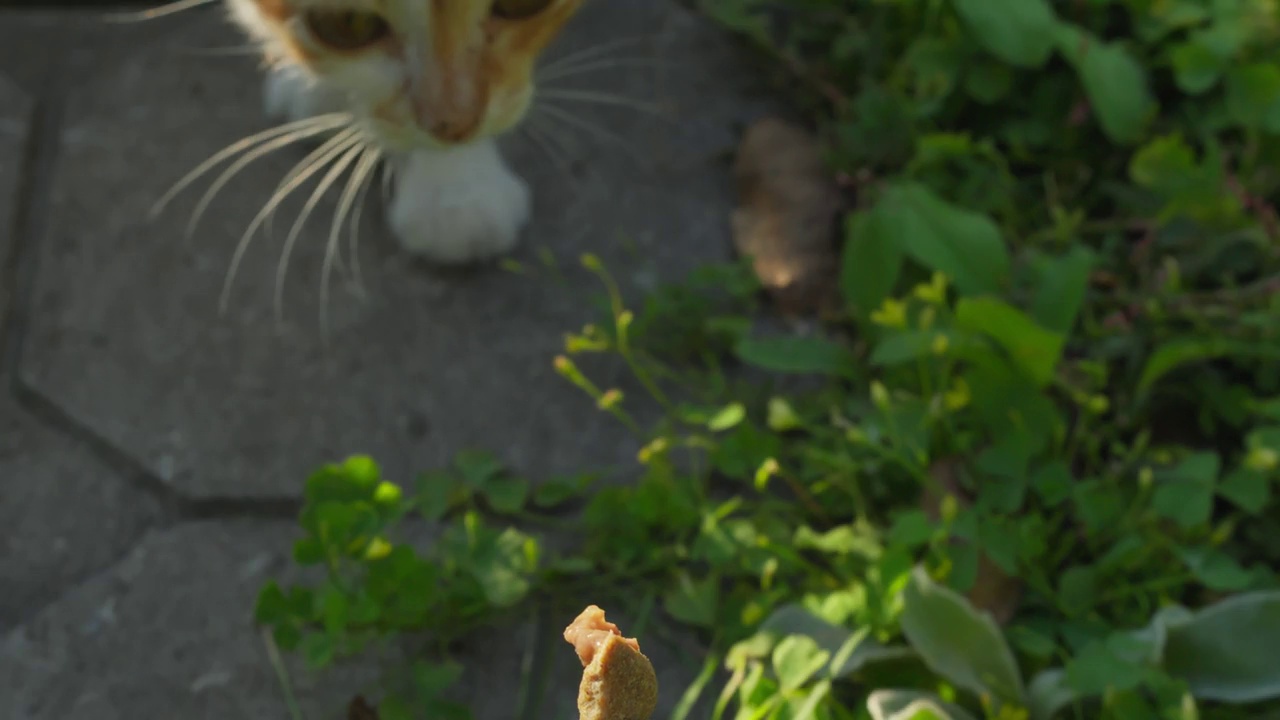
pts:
[554, 493]
[905, 346]
[362, 470]
[435, 494]
[728, 418]
[1216, 569]
[1114, 82]
[308, 551]
[912, 529]
[1249, 489]
[1048, 693]
[271, 606]
[1253, 95]
[957, 641]
[477, 467]
[1061, 283]
[1196, 67]
[1053, 482]
[841, 540]
[963, 245]
[501, 564]
[1078, 590]
[694, 602]
[1185, 496]
[1019, 32]
[796, 659]
[796, 355]
[287, 635]
[1227, 651]
[395, 708]
[1164, 164]
[871, 262]
[506, 494]
[335, 608]
[1032, 348]
[431, 680]
[912, 705]
[849, 651]
[1098, 668]
[988, 81]
[319, 650]
[1187, 350]
[1099, 504]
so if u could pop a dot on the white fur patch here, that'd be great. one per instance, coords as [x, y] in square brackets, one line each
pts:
[289, 93]
[458, 205]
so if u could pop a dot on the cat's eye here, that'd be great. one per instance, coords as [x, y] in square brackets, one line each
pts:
[519, 9]
[346, 29]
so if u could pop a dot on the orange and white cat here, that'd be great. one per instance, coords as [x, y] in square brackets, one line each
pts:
[429, 84]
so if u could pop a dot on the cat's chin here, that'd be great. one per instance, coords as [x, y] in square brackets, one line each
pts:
[458, 206]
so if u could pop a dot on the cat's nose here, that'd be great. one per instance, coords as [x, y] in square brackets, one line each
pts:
[455, 128]
[452, 113]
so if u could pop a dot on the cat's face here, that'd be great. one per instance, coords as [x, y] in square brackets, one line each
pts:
[421, 72]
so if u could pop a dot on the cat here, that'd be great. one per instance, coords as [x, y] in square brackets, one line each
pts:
[427, 86]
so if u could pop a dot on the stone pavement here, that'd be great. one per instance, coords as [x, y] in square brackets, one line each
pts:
[152, 449]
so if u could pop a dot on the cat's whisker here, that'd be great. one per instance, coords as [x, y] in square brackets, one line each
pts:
[323, 155]
[349, 155]
[319, 123]
[234, 169]
[592, 128]
[388, 183]
[543, 140]
[155, 12]
[353, 240]
[359, 179]
[280, 195]
[593, 51]
[591, 65]
[598, 98]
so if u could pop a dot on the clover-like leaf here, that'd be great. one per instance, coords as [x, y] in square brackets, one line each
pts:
[849, 650]
[796, 659]
[912, 705]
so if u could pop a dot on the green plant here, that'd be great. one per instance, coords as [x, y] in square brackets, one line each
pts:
[1050, 412]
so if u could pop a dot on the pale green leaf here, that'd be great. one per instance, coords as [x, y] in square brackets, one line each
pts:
[957, 641]
[1227, 651]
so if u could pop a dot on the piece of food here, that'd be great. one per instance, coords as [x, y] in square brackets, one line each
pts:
[618, 681]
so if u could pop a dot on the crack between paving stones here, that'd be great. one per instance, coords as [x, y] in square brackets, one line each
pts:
[130, 470]
[35, 181]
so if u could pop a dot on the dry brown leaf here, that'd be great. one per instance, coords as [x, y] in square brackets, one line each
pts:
[359, 709]
[788, 208]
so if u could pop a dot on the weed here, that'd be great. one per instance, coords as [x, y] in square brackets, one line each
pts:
[1035, 479]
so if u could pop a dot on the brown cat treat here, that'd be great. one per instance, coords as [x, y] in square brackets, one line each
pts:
[618, 681]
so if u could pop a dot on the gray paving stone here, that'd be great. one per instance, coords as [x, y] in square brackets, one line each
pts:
[167, 633]
[432, 362]
[62, 514]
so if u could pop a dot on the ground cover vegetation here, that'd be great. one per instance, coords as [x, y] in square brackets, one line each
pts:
[1031, 471]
